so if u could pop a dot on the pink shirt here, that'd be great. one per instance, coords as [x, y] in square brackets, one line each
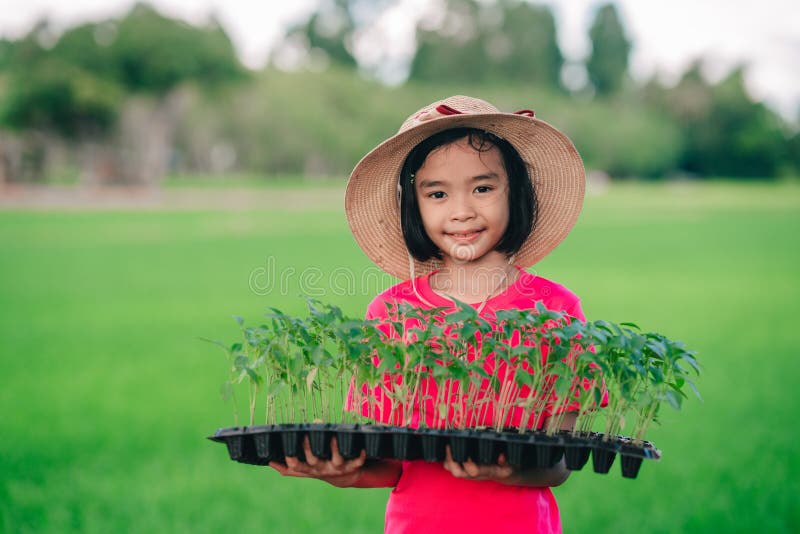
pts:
[428, 498]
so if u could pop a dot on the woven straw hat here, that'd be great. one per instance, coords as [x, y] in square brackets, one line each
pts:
[554, 166]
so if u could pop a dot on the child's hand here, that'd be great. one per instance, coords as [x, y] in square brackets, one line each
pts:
[336, 471]
[500, 472]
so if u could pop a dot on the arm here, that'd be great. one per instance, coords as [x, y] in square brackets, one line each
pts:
[356, 473]
[505, 473]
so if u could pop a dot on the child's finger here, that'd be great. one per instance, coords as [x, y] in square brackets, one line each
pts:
[504, 471]
[280, 468]
[458, 471]
[448, 458]
[295, 467]
[310, 458]
[451, 465]
[336, 458]
[356, 463]
[472, 469]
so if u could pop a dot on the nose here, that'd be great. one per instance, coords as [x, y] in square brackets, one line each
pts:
[462, 208]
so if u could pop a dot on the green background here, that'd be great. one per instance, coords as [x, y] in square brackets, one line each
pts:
[107, 393]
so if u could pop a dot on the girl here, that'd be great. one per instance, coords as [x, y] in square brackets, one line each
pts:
[457, 204]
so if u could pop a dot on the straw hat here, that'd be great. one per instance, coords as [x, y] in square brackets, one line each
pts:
[554, 166]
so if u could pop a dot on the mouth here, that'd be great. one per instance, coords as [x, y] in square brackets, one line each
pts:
[465, 237]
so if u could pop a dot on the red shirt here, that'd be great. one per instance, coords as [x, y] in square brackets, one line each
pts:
[428, 498]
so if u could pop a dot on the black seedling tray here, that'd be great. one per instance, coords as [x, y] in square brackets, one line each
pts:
[258, 445]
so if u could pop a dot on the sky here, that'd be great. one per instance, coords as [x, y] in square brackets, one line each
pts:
[764, 35]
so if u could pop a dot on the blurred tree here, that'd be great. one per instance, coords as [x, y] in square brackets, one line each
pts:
[692, 98]
[87, 48]
[793, 149]
[6, 49]
[608, 63]
[46, 98]
[154, 53]
[50, 101]
[740, 137]
[454, 50]
[507, 40]
[534, 53]
[75, 86]
[726, 132]
[57, 96]
[27, 50]
[144, 51]
[329, 32]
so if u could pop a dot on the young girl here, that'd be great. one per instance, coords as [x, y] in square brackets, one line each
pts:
[457, 204]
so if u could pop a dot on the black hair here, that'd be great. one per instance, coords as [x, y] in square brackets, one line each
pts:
[522, 205]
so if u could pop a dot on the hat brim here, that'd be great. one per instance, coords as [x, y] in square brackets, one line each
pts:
[554, 165]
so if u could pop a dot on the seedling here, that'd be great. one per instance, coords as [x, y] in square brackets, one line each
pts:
[454, 370]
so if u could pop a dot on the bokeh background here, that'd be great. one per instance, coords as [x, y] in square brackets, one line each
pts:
[165, 166]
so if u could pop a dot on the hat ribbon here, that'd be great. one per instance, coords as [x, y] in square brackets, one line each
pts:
[443, 110]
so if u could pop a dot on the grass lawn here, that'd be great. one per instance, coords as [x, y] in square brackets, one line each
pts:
[107, 394]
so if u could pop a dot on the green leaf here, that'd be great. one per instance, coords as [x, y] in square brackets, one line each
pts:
[253, 375]
[240, 362]
[673, 398]
[694, 388]
[276, 388]
[688, 358]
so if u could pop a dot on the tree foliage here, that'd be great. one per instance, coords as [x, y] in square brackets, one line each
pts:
[507, 40]
[76, 87]
[726, 133]
[57, 96]
[608, 63]
[331, 29]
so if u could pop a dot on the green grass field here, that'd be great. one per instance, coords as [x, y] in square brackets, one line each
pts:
[107, 394]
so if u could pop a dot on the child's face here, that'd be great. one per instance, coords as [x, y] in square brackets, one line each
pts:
[463, 200]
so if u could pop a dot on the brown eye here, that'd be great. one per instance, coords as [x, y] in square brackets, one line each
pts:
[483, 189]
[435, 193]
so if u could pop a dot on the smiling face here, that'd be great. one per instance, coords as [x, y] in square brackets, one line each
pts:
[463, 200]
